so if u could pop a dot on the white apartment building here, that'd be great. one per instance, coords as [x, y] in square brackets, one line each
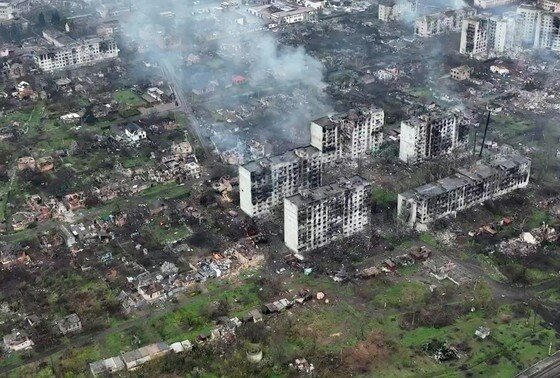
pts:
[348, 135]
[362, 131]
[474, 36]
[317, 217]
[485, 4]
[7, 11]
[528, 18]
[547, 35]
[65, 52]
[550, 5]
[327, 138]
[431, 135]
[265, 183]
[442, 22]
[501, 33]
[421, 206]
[389, 10]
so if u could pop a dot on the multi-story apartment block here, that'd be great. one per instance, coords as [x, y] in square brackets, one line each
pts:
[550, 5]
[443, 22]
[264, 183]
[484, 4]
[66, 52]
[421, 206]
[362, 131]
[474, 36]
[327, 138]
[501, 33]
[390, 10]
[431, 135]
[349, 135]
[317, 217]
[9, 9]
[547, 35]
[528, 19]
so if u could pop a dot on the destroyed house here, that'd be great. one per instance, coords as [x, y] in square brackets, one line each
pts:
[468, 187]
[137, 357]
[314, 218]
[264, 183]
[69, 324]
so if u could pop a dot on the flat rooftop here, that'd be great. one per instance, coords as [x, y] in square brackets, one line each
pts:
[310, 196]
[290, 156]
[464, 177]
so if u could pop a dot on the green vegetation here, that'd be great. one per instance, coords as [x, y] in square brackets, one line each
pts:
[128, 99]
[383, 197]
[402, 294]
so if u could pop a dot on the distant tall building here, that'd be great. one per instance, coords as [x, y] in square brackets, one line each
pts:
[431, 135]
[421, 206]
[474, 36]
[317, 217]
[550, 5]
[9, 9]
[350, 135]
[66, 52]
[363, 131]
[265, 183]
[501, 33]
[528, 19]
[442, 22]
[547, 35]
[391, 10]
[485, 4]
[327, 138]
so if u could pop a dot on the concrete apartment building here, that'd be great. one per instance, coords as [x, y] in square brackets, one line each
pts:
[485, 4]
[442, 22]
[317, 217]
[362, 131]
[501, 33]
[390, 10]
[65, 52]
[474, 36]
[265, 183]
[431, 135]
[327, 138]
[550, 5]
[528, 18]
[421, 206]
[461, 73]
[11, 8]
[348, 135]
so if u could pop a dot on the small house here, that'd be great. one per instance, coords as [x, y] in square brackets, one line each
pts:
[69, 324]
[17, 340]
[137, 357]
[134, 133]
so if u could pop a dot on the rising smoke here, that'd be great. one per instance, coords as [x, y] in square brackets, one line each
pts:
[233, 48]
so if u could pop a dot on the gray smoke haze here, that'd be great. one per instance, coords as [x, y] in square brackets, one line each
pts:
[177, 43]
[425, 7]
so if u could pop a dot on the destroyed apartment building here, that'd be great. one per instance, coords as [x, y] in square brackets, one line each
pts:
[314, 218]
[431, 135]
[443, 22]
[348, 135]
[61, 51]
[420, 206]
[264, 183]
[390, 10]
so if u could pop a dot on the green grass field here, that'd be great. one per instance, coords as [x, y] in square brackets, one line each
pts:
[128, 99]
